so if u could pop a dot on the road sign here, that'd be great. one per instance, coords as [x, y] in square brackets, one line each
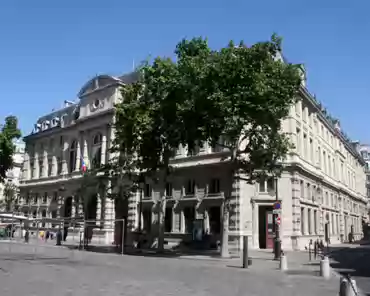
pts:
[277, 205]
[278, 220]
[276, 212]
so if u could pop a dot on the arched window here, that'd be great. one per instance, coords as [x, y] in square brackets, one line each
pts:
[96, 150]
[72, 156]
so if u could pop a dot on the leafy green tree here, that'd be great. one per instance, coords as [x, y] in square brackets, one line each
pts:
[10, 195]
[148, 126]
[240, 94]
[9, 132]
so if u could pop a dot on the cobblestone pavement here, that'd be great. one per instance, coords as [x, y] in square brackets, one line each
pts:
[49, 270]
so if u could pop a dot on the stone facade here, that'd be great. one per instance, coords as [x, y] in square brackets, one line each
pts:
[321, 188]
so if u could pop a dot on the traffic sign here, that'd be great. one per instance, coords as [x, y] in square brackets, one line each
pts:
[276, 212]
[277, 205]
[278, 220]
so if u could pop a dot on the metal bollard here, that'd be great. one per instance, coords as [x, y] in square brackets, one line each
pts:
[347, 287]
[325, 268]
[245, 252]
[283, 263]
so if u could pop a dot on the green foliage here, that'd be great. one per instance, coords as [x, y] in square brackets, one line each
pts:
[10, 194]
[148, 128]
[242, 94]
[9, 132]
[239, 93]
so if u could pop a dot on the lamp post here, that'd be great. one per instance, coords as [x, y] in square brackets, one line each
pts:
[277, 242]
[141, 185]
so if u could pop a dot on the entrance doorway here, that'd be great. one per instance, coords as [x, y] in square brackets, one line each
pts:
[266, 227]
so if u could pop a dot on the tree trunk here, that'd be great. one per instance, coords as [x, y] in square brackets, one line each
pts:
[225, 228]
[161, 220]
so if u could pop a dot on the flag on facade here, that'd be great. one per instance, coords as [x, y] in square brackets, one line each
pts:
[83, 165]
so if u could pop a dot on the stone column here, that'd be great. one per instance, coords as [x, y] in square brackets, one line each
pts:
[109, 217]
[65, 157]
[182, 222]
[85, 149]
[45, 163]
[296, 211]
[54, 170]
[98, 209]
[78, 155]
[173, 226]
[206, 221]
[255, 234]
[26, 167]
[36, 174]
[306, 219]
[104, 146]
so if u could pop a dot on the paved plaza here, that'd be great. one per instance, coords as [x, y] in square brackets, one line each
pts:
[38, 270]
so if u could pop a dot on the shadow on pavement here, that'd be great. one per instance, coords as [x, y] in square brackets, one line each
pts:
[352, 261]
[146, 252]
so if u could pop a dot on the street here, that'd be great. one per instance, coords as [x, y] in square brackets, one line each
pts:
[40, 271]
[353, 260]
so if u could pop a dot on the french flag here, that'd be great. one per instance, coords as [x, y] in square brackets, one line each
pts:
[83, 165]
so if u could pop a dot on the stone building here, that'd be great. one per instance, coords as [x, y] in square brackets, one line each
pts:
[322, 188]
[79, 132]
[364, 150]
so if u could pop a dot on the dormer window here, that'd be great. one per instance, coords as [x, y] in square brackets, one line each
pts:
[55, 122]
[76, 113]
[96, 103]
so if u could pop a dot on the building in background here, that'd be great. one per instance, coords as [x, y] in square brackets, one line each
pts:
[364, 150]
[64, 143]
[13, 176]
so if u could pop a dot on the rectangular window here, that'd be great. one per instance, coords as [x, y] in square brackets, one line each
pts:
[41, 168]
[190, 187]
[214, 186]
[50, 167]
[148, 190]
[262, 185]
[312, 156]
[302, 221]
[305, 150]
[298, 140]
[169, 189]
[309, 221]
[315, 218]
[45, 198]
[60, 165]
[302, 188]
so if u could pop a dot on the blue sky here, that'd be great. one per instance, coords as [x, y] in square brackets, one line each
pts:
[49, 49]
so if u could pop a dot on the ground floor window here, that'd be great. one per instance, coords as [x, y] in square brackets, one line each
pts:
[168, 220]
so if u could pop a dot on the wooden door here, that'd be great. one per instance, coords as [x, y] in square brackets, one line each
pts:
[269, 230]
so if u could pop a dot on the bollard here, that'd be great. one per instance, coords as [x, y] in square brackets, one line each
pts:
[310, 250]
[347, 287]
[325, 268]
[283, 263]
[245, 252]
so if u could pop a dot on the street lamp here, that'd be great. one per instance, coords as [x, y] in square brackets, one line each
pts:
[141, 185]
[277, 242]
